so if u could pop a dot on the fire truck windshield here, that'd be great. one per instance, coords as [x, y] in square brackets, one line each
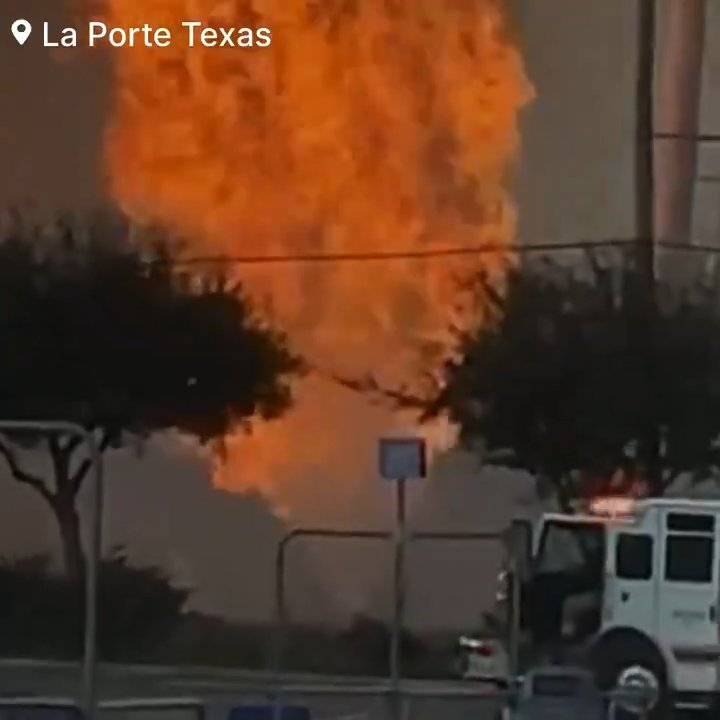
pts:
[563, 597]
[568, 546]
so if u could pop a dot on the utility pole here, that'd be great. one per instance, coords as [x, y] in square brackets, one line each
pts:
[649, 450]
[677, 117]
[644, 142]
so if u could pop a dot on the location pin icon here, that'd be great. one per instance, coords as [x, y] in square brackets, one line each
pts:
[21, 29]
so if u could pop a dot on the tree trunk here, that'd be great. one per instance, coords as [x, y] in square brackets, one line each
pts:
[69, 525]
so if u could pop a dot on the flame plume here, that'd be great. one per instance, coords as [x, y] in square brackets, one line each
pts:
[368, 125]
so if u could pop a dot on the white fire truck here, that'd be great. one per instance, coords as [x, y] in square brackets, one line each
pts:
[630, 588]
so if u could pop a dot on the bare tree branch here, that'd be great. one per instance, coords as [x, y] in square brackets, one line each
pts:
[400, 398]
[60, 461]
[72, 444]
[491, 294]
[23, 476]
[82, 470]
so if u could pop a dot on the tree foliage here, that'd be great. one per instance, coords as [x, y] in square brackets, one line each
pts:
[114, 337]
[43, 613]
[566, 370]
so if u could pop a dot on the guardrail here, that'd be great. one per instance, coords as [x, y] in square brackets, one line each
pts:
[181, 672]
[419, 701]
[308, 702]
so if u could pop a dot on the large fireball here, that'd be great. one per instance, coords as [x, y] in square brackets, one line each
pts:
[367, 126]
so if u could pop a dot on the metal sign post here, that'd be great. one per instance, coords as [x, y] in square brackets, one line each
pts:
[400, 459]
[398, 582]
[95, 549]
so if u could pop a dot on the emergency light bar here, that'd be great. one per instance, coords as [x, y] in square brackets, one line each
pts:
[612, 507]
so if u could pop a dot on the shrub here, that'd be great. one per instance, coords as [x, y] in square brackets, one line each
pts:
[42, 612]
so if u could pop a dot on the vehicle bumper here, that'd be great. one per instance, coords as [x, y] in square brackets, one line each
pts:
[695, 675]
[692, 700]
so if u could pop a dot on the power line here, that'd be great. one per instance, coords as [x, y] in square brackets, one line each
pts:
[436, 253]
[680, 246]
[379, 256]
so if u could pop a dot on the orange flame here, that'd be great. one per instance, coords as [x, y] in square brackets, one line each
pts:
[368, 125]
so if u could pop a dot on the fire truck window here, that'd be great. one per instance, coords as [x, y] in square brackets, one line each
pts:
[567, 547]
[687, 522]
[633, 557]
[689, 558]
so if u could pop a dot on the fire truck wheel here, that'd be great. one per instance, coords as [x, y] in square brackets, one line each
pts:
[631, 659]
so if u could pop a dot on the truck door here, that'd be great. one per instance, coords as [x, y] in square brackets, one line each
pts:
[688, 591]
[630, 593]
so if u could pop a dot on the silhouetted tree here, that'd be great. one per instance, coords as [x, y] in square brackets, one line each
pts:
[562, 374]
[140, 609]
[113, 337]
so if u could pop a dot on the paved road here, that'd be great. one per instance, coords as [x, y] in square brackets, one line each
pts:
[329, 697]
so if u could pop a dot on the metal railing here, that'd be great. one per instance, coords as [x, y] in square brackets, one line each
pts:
[281, 616]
